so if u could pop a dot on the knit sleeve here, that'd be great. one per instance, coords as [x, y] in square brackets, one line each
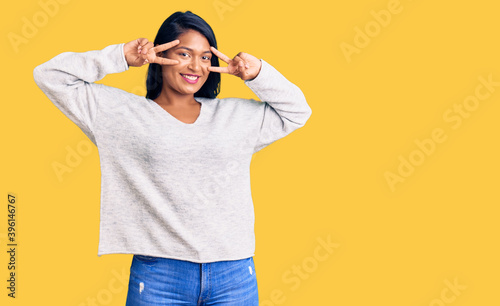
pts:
[285, 108]
[68, 81]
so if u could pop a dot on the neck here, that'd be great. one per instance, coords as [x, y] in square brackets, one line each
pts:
[169, 97]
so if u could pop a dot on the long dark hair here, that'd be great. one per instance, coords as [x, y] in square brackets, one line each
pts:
[172, 27]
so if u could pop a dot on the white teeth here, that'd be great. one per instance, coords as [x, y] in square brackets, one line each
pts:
[190, 77]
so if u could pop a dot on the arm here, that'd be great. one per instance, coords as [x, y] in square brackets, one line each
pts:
[68, 78]
[285, 108]
[68, 81]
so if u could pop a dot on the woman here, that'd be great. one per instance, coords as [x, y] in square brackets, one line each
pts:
[175, 179]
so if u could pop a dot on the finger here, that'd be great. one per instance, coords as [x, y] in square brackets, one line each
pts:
[244, 59]
[166, 46]
[239, 60]
[147, 47]
[247, 58]
[140, 43]
[218, 69]
[242, 56]
[240, 63]
[165, 61]
[144, 48]
[143, 42]
[220, 55]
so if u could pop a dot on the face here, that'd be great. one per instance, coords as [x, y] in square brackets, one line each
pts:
[194, 56]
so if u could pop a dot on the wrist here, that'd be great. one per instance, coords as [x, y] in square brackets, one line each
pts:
[255, 75]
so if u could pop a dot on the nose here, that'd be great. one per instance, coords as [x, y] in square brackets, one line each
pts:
[194, 64]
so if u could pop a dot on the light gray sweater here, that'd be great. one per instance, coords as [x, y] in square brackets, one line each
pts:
[168, 188]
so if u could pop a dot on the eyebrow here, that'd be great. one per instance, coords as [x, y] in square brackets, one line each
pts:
[189, 49]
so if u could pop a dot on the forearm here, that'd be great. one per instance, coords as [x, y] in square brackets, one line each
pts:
[69, 69]
[68, 81]
[281, 94]
[285, 108]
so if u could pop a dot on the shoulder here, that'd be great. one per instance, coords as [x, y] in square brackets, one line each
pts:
[237, 111]
[112, 98]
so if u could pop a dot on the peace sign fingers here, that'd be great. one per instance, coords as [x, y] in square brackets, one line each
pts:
[218, 69]
[154, 58]
[151, 55]
[234, 65]
[164, 61]
[243, 65]
[166, 46]
[141, 51]
[220, 55]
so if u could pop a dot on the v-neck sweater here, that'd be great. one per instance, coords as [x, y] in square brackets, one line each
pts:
[168, 188]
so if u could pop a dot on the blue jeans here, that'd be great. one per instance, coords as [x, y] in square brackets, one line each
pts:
[158, 281]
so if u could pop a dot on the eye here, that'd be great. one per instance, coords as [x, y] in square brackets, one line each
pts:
[183, 54]
[206, 58]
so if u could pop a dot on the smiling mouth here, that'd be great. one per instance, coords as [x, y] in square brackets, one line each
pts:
[190, 77]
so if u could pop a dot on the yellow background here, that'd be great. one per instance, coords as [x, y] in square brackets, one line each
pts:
[327, 180]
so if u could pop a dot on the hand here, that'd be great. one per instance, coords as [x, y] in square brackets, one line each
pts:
[243, 65]
[141, 51]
